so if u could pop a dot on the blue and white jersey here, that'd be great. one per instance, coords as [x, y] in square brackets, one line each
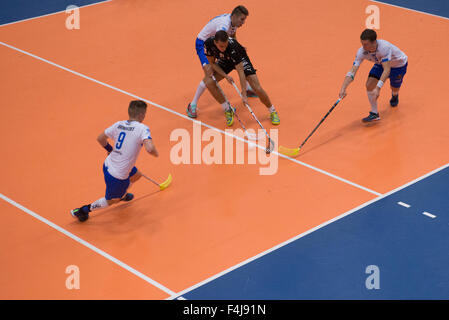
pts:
[128, 138]
[218, 23]
[385, 52]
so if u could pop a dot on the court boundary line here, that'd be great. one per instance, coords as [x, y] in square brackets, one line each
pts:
[249, 260]
[186, 117]
[50, 14]
[88, 245]
[410, 9]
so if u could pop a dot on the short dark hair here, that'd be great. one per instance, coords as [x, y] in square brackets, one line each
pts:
[240, 10]
[221, 36]
[368, 34]
[136, 107]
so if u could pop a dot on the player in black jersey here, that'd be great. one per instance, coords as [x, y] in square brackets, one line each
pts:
[226, 54]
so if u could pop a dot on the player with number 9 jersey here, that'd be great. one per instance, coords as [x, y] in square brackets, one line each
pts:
[128, 137]
[118, 169]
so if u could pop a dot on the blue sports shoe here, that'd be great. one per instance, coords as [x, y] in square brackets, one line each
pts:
[372, 117]
[127, 197]
[82, 214]
[191, 110]
[394, 101]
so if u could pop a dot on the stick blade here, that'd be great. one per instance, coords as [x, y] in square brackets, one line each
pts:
[166, 183]
[270, 148]
[289, 152]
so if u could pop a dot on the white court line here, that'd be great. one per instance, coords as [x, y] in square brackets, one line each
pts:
[429, 215]
[88, 245]
[404, 204]
[50, 14]
[186, 117]
[423, 12]
[218, 275]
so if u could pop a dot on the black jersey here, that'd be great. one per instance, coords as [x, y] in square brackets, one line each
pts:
[234, 53]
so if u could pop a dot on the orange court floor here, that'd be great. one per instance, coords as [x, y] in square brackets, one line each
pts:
[60, 88]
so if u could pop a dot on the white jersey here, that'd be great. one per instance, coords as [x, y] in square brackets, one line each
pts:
[385, 52]
[128, 138]
[218, 23]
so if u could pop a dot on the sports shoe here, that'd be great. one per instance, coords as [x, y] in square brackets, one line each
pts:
[191, 110]
[251, 94]
[81, 213]
[127, 197]
[372, 117]
[275, 118]
[394, 101]
[229, 116]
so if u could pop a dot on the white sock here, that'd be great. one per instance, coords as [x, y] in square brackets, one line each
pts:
[272, 109]
[373, 101]
[225, 105]
[199, 92]
[99, 204]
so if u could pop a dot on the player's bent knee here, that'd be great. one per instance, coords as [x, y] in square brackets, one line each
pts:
[218, 77]
[371, 86]
[371, 83]
[208, 81]
[135, 177]
[258, 89]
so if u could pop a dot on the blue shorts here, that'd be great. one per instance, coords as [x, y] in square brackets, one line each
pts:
[199, 45]
[116, 188]
[396, 74]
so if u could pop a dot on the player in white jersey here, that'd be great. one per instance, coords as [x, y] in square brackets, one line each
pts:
[389, 62]
[118, 168]
[228, 23]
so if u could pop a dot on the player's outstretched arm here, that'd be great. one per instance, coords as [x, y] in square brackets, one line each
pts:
[150, 147]
[221, 72]
[348, 79]
[385, 74]
[216, 67]
[208, 68]
[242, 77]
[103, 141]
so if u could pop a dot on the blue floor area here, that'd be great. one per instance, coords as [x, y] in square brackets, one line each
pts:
[410, 249]
[436, 7]
[15, 10]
